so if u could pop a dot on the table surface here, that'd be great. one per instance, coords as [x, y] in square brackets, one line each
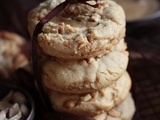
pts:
[144, 64]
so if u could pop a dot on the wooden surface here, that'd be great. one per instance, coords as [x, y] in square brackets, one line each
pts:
[144, 65]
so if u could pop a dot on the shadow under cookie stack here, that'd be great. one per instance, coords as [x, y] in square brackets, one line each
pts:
[84, 59]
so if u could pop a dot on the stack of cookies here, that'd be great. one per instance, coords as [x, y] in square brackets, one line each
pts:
[84, 59]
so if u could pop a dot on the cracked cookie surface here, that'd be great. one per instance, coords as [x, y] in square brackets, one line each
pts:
[86, 75]
[79, 31]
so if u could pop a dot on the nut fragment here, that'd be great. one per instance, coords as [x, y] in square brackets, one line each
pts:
[18, 116]
[12, 106]
[69, 104]
[2, 115]
[86, 97]
[24, 109]
[114, 113]
[13, 110]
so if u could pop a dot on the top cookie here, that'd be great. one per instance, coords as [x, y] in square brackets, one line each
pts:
[79, 31]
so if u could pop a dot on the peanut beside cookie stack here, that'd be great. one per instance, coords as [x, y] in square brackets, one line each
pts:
[83, 58]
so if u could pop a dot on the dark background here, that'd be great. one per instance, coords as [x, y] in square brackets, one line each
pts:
[13, 15]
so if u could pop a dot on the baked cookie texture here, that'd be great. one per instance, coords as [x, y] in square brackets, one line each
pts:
[124, 111]
[79, 31]
[11, 55]
[86, 75]
[93, 103]
[83, 59]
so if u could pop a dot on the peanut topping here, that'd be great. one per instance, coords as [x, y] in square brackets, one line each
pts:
[69, 104]
[114, 113]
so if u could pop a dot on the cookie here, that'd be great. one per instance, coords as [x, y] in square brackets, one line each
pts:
[124, 111]
[79, 31]
[11, 55]
[127, 108]
[92, 103]
[87, 75]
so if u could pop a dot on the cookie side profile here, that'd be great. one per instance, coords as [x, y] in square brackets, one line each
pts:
[87, 75]
[92, 103]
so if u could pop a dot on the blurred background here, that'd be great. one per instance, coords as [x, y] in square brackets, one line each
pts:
[142, 37]
[14, 15]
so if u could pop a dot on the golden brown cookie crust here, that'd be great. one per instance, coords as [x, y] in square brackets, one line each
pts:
[92, 103]
[80, 31]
